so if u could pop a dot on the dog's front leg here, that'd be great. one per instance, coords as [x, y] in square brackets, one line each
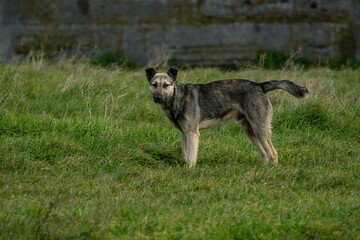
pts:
[184, 146]
[192, 144]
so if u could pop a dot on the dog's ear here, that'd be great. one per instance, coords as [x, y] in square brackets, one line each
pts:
[172, 72]
[150, 73]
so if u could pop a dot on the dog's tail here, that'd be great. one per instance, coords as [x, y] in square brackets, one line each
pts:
[292, 88]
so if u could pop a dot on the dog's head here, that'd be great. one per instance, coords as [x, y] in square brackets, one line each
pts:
[162, 85]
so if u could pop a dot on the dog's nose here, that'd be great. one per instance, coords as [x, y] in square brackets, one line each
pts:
[157, 99]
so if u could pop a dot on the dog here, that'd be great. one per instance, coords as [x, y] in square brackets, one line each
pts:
[192, 107]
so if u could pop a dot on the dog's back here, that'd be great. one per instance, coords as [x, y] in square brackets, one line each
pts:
[230, 99]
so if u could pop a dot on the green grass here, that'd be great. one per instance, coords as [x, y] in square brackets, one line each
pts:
[86, 154]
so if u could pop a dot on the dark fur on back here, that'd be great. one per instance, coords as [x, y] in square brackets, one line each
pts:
[214, 97]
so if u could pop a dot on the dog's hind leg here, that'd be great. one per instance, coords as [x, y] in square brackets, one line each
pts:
[192, 144]
[250, 133]
[263, 134]
[274, 159]
[259, 118]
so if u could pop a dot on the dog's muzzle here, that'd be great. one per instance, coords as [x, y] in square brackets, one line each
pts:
[158, 99]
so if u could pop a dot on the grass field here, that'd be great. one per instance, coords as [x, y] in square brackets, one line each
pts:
[86, 154]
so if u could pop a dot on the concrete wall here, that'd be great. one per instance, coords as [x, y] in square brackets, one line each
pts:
[211, 31]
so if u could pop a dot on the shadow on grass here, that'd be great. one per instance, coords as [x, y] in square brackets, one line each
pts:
[152, 155]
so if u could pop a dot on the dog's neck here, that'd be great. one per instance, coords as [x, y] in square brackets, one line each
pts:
[172, 104]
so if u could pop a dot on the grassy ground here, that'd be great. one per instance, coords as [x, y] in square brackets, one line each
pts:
[86, 154]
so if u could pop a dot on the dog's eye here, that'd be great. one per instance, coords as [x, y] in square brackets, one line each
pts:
[154, 85]
[165, 85]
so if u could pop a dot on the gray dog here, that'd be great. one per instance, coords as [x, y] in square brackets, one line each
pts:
[192, 107]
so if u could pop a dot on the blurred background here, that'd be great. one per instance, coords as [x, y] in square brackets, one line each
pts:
[196, 32]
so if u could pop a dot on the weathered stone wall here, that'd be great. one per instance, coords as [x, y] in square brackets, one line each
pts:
[210, 31]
